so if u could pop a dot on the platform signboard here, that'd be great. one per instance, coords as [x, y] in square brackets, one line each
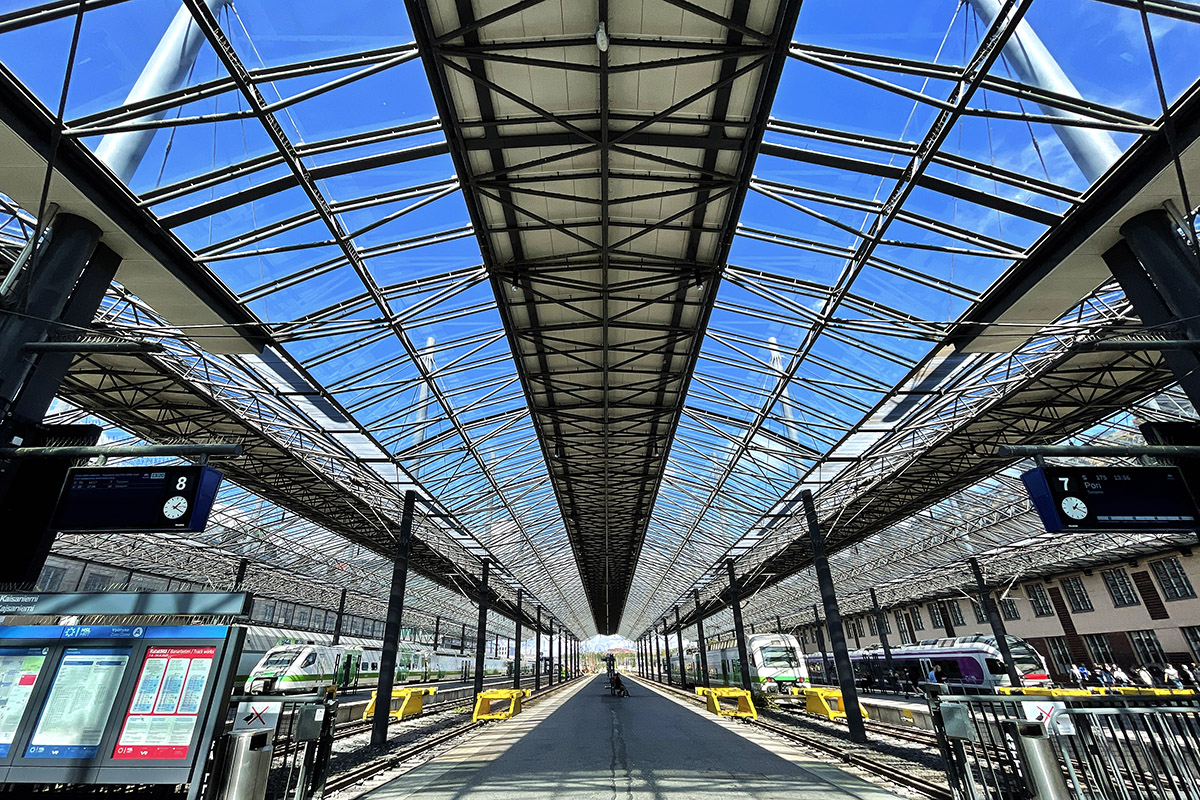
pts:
[166, 703]
[19, 670]
[125, 704]
[136, 499]
[1112, 498]
[74, 715]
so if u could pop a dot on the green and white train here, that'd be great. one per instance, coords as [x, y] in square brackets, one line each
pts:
[276, 661]
[776, 663]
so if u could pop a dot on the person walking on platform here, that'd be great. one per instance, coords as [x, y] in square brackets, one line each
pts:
[1121, 677]
[1076, 676]
[1171, 677]
[1144, 676]
[935, 674]
[1105, 676]
[1187, 676]
[619, 685]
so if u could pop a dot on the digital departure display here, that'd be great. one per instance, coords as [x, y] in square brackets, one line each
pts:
[164, 710]
[1112, 498]
[136, 498]
[76, 712]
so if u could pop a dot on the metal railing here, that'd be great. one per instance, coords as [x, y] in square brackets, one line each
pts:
[1090, 747]
[300, 744]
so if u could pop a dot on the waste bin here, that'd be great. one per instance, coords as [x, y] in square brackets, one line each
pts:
[248, 765]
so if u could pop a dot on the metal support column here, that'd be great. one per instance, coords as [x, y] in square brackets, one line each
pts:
[550, 656]
[657, 658]
[337, 626]
[481, 629]
[517, 645]
[993, 615]
[833, 619]
[947, 623]
[667, 652]
[881, 626]
[1152, 310]
[679, 642]
[391, 628]
[537, 652]
[820, 631]
[778, 625]
[437, 630]
[462, 639]
[701, 645]
[243, 565]
[735, 601]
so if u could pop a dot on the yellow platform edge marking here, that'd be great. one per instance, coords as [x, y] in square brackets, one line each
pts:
[411, 701]
[483, 703]
[827, 703]
[712, 700]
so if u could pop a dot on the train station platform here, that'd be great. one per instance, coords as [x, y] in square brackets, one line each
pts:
[583, 743]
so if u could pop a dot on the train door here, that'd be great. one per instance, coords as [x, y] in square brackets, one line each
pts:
[926, 667]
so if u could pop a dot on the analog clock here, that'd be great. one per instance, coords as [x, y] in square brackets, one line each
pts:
[175, 507]
[1074, 508]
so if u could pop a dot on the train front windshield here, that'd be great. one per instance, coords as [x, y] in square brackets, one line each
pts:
[279, 660]
[782, 657]
[1025, 658]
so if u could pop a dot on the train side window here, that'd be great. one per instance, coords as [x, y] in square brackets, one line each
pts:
[950, 670]
[995, 666]
[309, 660]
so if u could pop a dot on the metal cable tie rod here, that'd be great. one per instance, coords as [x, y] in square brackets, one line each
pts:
[132, 451]
[1088, 451]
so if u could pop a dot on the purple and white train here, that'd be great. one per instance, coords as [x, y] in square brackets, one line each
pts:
[965, 661]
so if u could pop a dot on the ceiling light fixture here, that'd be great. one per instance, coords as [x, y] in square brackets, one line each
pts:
[602, 37]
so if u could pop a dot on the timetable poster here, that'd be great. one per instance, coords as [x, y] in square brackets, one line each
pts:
[19, 669]
[74, 715]
[165, 706]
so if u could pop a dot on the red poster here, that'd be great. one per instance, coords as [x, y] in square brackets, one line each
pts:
[165, 707]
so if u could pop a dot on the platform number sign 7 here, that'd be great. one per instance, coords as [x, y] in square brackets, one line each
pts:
[1066, 484]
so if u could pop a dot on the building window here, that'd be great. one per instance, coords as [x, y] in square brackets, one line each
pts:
[1192, 636]
[955, 613]
[935, 615]
[1077, 596]
[918, 623]
[1173, 580]
[1009, 610]
[887, 624]
[1060, 654]
[1097, 645]
[1038, 600]
[264, 610]
[980, 613]
[98, 582]
[1120, 587]
[1147, 647]
[871, 626]
[904, 637]
[51, 578]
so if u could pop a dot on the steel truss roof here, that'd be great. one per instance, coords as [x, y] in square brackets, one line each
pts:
[925, 556]
[604, 183]
[693, 342]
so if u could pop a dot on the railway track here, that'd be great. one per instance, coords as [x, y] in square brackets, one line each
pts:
[852, 755]
[369, 769]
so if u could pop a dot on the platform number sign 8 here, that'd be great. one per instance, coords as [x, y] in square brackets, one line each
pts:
[179, 501]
